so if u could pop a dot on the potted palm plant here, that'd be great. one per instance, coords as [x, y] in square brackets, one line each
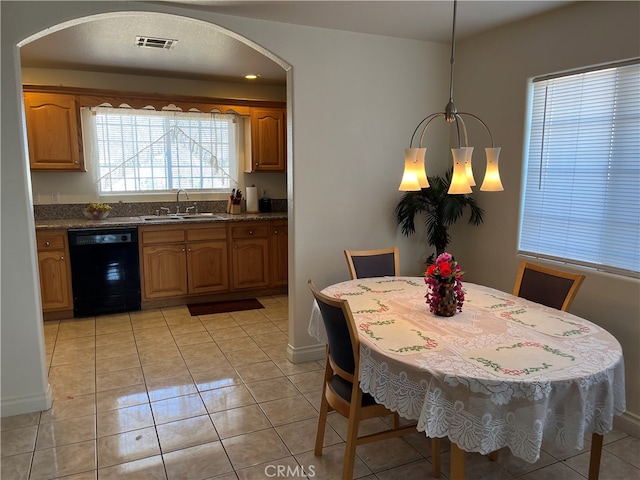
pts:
[441, 211]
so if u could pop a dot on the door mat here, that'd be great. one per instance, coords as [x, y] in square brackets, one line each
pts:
[224, 307]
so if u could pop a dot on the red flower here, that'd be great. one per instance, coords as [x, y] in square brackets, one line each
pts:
[431, 270]
[445, 269]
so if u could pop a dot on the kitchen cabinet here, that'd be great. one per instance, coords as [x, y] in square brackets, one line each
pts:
[183, 261]
[249, 255]
[55, 270]
[268, 129]
[54, 132]
[279, 252]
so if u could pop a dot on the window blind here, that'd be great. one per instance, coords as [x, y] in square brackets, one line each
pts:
[581, 195]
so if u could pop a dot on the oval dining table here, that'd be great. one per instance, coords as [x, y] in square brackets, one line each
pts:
[503, 372]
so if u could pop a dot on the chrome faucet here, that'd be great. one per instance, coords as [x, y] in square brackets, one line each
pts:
[178, 198]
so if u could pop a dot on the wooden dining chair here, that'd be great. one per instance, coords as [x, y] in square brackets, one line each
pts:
[373, 263]
[341, 391]
[553, 288]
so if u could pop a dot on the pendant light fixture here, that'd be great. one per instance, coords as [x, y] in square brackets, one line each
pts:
[415, 178]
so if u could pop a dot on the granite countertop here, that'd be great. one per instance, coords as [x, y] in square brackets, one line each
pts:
[163, 220]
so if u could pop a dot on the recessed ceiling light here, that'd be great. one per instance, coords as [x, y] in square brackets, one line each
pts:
[252, 76]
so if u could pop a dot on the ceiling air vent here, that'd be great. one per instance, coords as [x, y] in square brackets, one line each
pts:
[151, 42]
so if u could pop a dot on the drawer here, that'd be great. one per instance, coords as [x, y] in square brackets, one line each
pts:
[161, 235]
[250, 230]
[198, 234]
[51, 240]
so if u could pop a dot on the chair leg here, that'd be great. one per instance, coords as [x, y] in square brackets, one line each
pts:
[396, 420]
[324, 409]
[352, 436]
[457, 462]
[493, 456]
[596, 453]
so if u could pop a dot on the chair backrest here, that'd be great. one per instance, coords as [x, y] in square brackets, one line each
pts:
[341, 331]
[373, 263]
[553, 288]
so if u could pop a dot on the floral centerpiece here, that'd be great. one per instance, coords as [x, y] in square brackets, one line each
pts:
[444, 286]
[97, 211]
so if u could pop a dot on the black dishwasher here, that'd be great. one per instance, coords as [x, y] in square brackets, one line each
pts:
[105, 270]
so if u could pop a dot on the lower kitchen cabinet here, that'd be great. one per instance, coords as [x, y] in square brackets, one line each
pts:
[279, 253]
[55, 270]
[183, 261]
[249, 255]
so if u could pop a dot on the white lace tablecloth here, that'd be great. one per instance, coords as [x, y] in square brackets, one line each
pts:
[504, 372]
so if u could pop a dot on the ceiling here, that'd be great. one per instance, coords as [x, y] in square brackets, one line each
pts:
[108, 44]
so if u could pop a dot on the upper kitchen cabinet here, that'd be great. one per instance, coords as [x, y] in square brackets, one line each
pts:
[54, 132]
[267, 140]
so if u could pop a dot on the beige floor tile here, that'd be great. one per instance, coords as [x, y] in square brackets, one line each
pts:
[196, 364]
[80, 355]
[259, 371]
[277, 353]
[227, 333]
[627, 448]
[75, 343]
[235, 344]
[201, 351]
[16, 467]
[286, 467]
[255, 448]
[245, 357]
[124, 419]
[300, 437]
[150, 468]
[249, 317]
[176, 386]
[189, 326]
[74, 328]
[192, 338]
[329, 465]
[69, 381]
[128, 446]
[164, 370]
[121, 362]
[288, 410]
[218, 378]
[114, 338]
[108, 328]
[237, 421]
[160, 355]
[308, 381]
[153, 344]
[289, 368]
[64, 408]
[272, 389]
[117, 350]
[121, 397]
[141, 315]
[217, 321]
[63, 461]
[418, 470]
[65, 432]
[199, 462]
[186, 433]
[18, 440]
[177, 408]
[158, 332]
[389, 453]
[152, 322]
[119, 378]
[18, 421]
[227, 397]
[271, 338]
[261, 328]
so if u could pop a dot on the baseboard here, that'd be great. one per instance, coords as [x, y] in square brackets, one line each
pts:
[306, 354]
[628, 423]
[27, 404]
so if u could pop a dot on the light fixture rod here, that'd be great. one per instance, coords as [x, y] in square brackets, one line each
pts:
[453, 50]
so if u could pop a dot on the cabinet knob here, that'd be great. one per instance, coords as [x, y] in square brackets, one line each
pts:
[189, 250]
[257, 164]
[183, 249]
[275, 232]
[61, 258]
[250, 232]
[47, 243]
[76, 162]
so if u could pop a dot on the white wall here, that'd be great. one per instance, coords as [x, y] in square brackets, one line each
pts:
[354, 100]
[492, 74]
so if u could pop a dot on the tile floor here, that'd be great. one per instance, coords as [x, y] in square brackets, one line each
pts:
[159, 394]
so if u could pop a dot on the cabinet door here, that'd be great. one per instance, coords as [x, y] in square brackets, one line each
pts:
[208, 269]
[250, 263]
[279, 253]
[55, 280]
[53, 131]
[164, 270]
[267, 140]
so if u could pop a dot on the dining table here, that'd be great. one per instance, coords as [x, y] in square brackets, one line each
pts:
[502, 372]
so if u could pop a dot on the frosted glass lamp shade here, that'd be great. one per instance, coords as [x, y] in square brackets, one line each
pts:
[467, 167]
[459, 182]
[414, 177]
[491, 182]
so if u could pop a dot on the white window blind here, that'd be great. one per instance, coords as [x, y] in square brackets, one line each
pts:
[148, 150]
[581, 195]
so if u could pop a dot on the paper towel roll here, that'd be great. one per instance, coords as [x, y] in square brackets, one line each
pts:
[252, 200]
